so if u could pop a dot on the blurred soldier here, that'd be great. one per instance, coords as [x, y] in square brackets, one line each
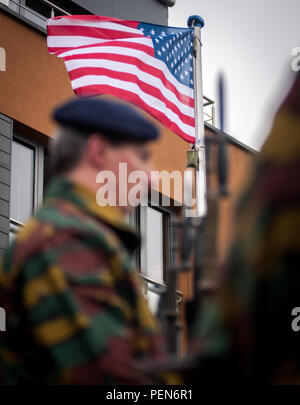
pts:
[249, 333]
[75, 310]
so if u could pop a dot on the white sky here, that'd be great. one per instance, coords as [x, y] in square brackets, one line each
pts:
[251, 43]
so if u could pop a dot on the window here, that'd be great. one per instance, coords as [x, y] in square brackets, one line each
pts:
[26, 181]
[155, 258]
[154, 254]
[152, 259]
[22, 181]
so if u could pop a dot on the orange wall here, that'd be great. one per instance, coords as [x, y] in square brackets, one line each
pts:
[33, 81]
[240, 163]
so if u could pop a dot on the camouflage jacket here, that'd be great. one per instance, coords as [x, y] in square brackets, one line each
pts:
[75, 310]
[246, 333]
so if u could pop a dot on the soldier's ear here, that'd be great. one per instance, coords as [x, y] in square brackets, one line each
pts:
[96, 150]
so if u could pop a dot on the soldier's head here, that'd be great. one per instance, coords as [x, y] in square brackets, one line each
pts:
[97, 135]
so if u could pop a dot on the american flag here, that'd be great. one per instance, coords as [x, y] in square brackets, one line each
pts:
[146, 64]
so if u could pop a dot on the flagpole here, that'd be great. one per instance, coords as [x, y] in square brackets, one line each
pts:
[200, 187]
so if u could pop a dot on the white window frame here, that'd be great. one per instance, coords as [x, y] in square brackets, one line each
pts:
[144, 253]
[149, 283]
[38, 177]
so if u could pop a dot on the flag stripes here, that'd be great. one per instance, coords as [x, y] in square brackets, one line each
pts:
[110, 56]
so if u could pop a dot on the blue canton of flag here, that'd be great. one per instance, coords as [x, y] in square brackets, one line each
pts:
[174, 46]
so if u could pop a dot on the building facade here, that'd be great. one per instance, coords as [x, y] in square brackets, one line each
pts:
[32, 82]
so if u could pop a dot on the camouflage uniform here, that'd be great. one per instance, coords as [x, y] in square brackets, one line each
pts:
[75, 311]
[246, 334]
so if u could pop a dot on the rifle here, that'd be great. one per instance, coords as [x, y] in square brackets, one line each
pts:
[192, 246]
[197, 237]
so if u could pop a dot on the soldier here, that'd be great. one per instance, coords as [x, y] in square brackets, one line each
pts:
[75, 310]
[250, 332]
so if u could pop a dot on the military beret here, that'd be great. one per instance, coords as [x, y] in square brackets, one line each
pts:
[108, 117]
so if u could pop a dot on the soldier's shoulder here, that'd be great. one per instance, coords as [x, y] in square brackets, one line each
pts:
[51, 229]
[53, 225]
[65, 216]
[52, 220]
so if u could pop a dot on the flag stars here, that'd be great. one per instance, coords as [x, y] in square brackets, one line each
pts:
[175, 50]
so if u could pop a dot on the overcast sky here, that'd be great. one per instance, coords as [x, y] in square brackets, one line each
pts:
[251, 42]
